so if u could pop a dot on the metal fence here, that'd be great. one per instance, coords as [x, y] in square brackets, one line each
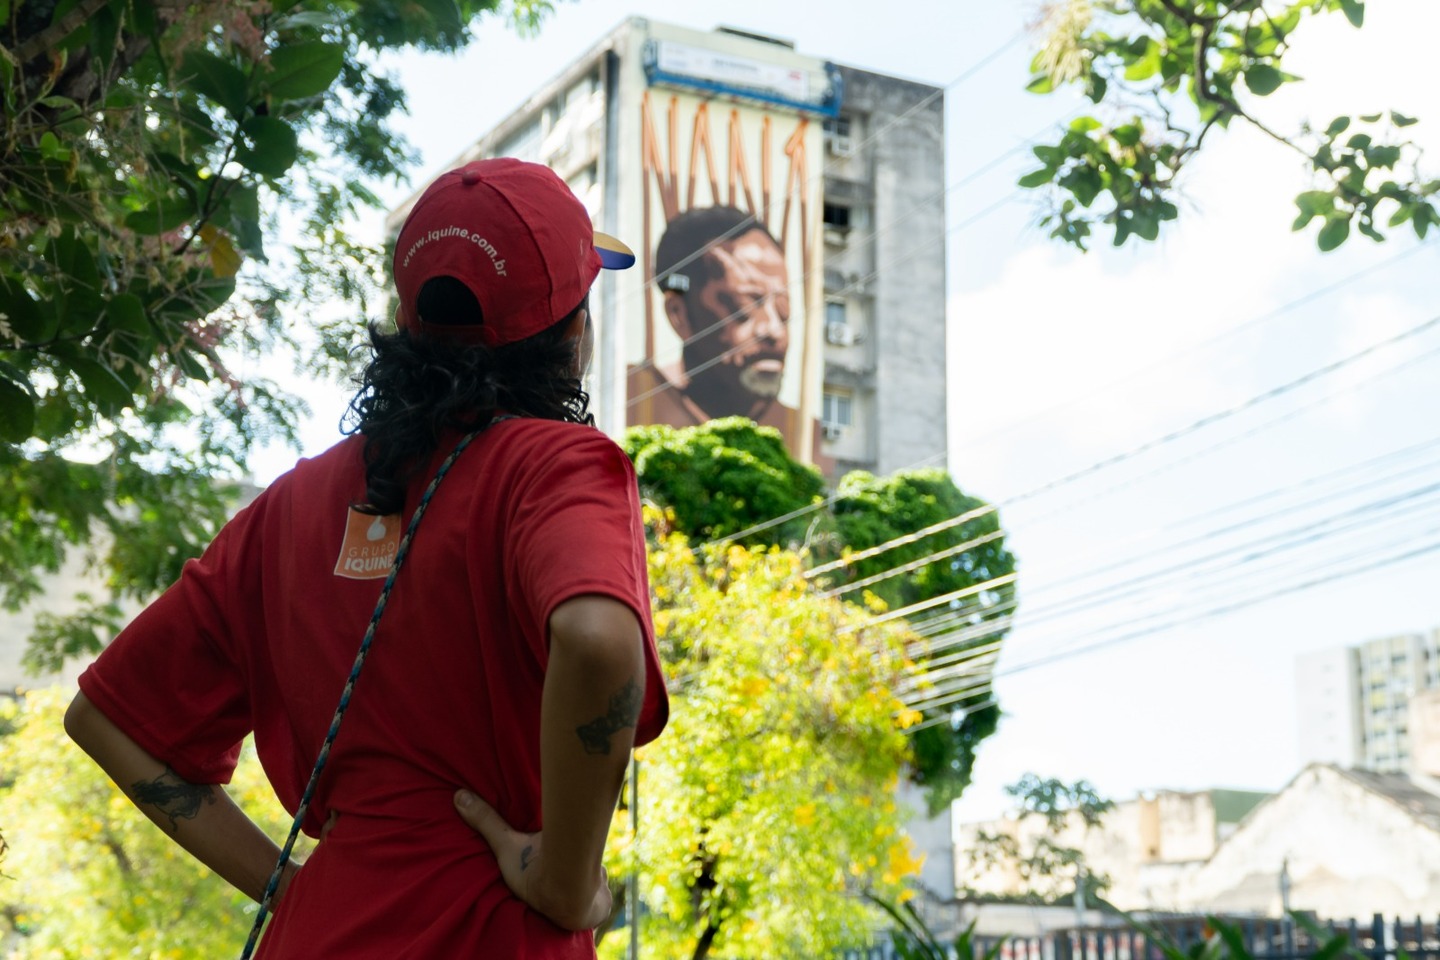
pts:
[1264, 939]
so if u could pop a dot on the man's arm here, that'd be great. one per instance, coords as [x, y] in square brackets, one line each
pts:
[200, 817]
[594, 689]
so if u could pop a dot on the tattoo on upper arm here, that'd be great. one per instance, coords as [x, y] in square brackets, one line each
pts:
[624, 712]
[527, 857]
[177, 799]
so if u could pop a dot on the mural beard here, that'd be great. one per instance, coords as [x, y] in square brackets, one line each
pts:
[763, 378]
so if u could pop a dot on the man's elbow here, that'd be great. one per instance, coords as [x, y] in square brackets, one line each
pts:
[81, 720]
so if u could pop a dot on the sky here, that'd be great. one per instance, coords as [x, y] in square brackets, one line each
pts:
[1172, 667]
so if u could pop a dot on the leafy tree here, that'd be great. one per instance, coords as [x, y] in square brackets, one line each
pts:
[87, 874]
[148, 148]
[768, 806]
[1166, 74]
[724, 476]
[1041, 844]
[728, 476]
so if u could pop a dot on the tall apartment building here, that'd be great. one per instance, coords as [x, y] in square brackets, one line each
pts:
[1355, 702]
[828, 321]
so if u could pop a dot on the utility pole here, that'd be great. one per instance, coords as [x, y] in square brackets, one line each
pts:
[632, 898]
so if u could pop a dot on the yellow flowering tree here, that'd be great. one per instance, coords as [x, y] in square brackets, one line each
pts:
[87, 874]
[767, 808]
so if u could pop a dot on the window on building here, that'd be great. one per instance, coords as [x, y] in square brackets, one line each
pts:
[582, 91]
[523, 144]
[837, 215]
[838, 139]
[837, 409]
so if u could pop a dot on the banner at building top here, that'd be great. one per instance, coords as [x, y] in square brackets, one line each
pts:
[728, 224]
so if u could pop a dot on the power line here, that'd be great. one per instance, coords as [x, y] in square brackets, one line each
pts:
[1220, 610]
[1308, 297]
[1147, 446]
[970, 666]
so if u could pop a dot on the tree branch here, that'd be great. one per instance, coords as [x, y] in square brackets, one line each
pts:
[58, 30]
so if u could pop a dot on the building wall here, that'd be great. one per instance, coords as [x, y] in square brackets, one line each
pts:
[1349, 852]
[1392, 669]
[1425, 734]
[1146, 846]
[891, 270]
[58, 600]
[1328, 700]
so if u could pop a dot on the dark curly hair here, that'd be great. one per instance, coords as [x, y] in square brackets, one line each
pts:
[415, 388]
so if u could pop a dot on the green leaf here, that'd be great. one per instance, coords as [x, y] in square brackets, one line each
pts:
[1405, 212]
[169, 213]
[1354, 11]
[1098, 86]
[1147, 66]
[1049, 155]
[17, 412]
[1361, 141]
[105, 34]
[52, 149]
[33, 321]
[1382, 157]
[445, 14]
[1041, 84]
[127, 312]
[1147, 224]
[1127, 135]
[191, 366]
[303, 70]
[1400, 120]
[1085, 183]
[101, 384]
[1085, 124]
[1316, 202]
[1337, 126]
[1335, 232]
[1371, 117]
[1036, 178]
[217, 79]
[1263, 79]
[273, 149]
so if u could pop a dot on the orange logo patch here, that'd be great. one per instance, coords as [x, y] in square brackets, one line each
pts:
[369, 548]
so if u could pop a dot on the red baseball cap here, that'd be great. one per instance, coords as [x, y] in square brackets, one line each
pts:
[515, 235]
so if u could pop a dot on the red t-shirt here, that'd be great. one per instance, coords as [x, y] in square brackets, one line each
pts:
[260, 633]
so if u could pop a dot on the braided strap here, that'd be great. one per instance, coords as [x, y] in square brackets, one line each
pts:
[345, 694]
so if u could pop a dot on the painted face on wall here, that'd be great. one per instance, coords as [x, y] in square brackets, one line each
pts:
[739, 327]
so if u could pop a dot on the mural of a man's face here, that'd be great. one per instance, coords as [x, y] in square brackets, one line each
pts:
[738, 325]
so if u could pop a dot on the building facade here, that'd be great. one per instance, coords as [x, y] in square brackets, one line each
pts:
[1355, 703]
[788, 216]
[1141, 846]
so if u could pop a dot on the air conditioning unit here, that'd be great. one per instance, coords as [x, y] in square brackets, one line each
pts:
[838, 145]
[838, 333]
[833, 431]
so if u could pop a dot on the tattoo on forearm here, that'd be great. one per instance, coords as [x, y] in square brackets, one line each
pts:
[624, 711]
[527, 857]
[177, 799]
